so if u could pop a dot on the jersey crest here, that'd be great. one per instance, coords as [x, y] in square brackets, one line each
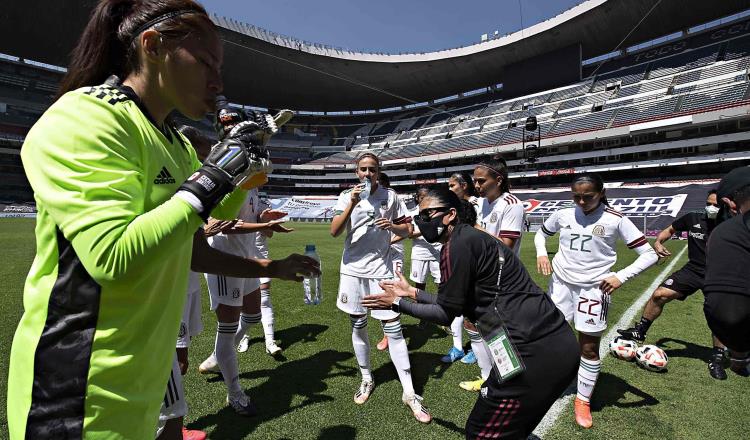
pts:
[493, 217]
[598, 231]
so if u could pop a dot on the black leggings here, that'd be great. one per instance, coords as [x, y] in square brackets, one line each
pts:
[512, 410]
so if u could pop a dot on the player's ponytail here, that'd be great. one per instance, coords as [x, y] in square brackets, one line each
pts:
[446, 197]
[109, 43]
[595, 180]
[499, 168]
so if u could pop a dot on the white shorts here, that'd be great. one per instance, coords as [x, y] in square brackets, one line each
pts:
[351, 291]
[419, 270]
[229, 290]
[191, 323]
[586, 306]
[174, 404]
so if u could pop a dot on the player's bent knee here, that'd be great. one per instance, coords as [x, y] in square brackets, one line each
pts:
[662, 296]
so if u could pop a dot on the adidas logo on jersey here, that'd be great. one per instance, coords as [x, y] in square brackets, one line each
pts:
[164, 178]
[590, 321]
[697, 226]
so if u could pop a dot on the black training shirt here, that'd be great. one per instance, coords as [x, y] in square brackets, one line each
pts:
[728, 269]
[469, 268]
[698, 227]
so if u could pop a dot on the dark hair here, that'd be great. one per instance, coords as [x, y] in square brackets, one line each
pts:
[109, 43]
[196, 137]
[384, 180]
[711, 192]
[498, 167]
[741, 196]
[464, 178]
[595, 180]
[446, 197]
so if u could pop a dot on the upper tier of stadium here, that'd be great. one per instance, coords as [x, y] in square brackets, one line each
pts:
[269, 70]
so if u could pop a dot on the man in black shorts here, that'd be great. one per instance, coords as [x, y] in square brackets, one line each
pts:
[727, 285]
[685, 281]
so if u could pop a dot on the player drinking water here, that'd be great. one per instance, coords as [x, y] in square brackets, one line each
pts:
[369, 220]
[582, 282]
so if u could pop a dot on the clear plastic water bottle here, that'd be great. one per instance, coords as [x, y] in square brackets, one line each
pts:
[312, 286]
[365, 194]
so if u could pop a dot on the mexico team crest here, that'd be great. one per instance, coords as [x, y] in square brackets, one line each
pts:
[344, 298]
[493, 217]
[598, 231]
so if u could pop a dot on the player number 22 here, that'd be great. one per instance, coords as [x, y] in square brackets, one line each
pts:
[585, 238]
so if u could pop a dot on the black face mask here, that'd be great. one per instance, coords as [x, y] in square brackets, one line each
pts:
[432, 230]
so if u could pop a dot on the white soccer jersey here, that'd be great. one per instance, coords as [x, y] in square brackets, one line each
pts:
[502, 218]
[367, 248]
[261, 240]
[421, 249]
[587, 249]
[241, 244]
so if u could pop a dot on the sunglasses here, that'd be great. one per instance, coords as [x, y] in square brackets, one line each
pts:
[426, 214]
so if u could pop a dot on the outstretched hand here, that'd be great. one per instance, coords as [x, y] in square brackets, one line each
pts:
[272, 214]
[295, 267]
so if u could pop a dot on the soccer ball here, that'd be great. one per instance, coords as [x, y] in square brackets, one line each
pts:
[622, 348]
[651, 358]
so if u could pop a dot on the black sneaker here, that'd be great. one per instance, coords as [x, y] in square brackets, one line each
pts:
[632, 334]
[717, 365]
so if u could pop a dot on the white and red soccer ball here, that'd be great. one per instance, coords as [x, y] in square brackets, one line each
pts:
[622, 348]
[651, 358]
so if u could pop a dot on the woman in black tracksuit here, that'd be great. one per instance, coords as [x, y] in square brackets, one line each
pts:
[486, 282]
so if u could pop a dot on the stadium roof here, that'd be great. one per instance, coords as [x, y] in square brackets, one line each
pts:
[266, 70]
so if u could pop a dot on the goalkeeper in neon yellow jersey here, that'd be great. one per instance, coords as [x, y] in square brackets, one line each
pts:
[120, 195]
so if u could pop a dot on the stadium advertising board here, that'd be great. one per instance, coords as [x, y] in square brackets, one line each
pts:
[630, 206]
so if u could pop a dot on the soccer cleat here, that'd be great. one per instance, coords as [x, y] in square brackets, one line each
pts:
[192, 434]
[741, 367]
[453, 355]
[244, 344]
[470, 358]
[583, 413]
[633, 334]
[210, 365]
[272, 348]
[383, 344]
[414, 402]
[364, 391]
[717, 364]
[242, 405]
[472, 385]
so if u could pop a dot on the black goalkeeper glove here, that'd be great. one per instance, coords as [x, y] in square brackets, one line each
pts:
[231, 163]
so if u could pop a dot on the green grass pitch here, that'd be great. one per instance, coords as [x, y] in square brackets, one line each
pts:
[308, 393]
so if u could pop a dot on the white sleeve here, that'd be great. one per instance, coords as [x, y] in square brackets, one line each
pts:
[341, 203]
[548, 229]
[402, 211]
[511, 223]
[635, 240]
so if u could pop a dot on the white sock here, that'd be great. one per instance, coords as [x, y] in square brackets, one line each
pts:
[399, 354]
[246, 321]
[226, 356]
[588, 372]
[266, 311]
[480, 351]
[361, 343]
[457, 327]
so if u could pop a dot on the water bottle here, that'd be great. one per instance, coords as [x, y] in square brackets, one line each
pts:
[365, 194]
[312, 286]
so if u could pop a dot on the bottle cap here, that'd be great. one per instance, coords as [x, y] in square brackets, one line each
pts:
[309, 247]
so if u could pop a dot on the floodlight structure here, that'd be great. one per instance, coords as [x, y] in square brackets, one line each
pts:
[531, 150]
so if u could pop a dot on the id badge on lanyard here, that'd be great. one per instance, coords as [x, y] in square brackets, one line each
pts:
[505, 358]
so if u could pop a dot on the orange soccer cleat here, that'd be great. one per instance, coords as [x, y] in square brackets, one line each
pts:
[583, 413]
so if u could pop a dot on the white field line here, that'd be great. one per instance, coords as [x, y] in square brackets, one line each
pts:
[562, 403]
